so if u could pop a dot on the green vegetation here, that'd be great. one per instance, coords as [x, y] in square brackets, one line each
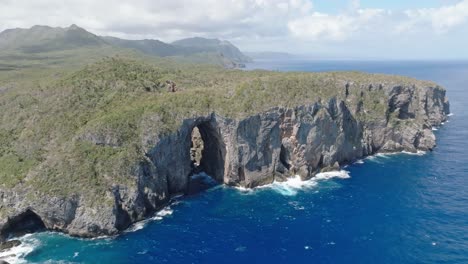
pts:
[64, 131]
[73, 120]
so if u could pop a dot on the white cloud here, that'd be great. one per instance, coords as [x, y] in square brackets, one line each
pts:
[440, 19]
[292, 25]
[160, 19]
[319, 26]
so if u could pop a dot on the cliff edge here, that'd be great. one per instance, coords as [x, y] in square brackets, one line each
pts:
[113, 145]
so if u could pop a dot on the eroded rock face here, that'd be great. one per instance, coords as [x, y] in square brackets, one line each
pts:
[249, 152]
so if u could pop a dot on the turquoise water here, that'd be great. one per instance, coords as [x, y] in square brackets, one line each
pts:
[386, 209]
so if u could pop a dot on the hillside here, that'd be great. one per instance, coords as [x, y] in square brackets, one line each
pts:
[194, 49]
[90, 151]
[45, 39]
[56, 46]
[147, 46]
[225, 48]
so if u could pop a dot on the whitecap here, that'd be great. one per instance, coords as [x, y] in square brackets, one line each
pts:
[385, 155]
[388, 155]
[359, 161]
[242, 189]
[434, 129]
[297, 206]
[143, 252]
[137, 226]
[17, 254]
[342, 174]
[157, 217]
[418, 153]
[451, 114]
[164, 212]
[293, 185]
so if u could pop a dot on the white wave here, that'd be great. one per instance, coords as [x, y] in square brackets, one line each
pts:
[17, 254]
[243, 189]
[297, 206]
[359, 161]
[293, 185]
[418, 153]
[434, 129]
[342, 174]
[136, 226]
[164, 212]
[157, 217]
[387, 155]
[451, 114]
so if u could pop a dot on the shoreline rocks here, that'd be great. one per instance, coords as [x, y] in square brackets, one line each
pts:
[4, 246]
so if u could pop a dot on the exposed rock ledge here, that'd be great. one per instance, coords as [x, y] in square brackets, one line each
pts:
[254, 151]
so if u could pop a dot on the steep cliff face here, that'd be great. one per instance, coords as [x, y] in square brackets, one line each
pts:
[308, 139]
[249, 152]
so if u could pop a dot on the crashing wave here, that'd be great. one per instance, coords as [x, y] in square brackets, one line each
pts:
[17, 254]
[166, 211]
[295, 184]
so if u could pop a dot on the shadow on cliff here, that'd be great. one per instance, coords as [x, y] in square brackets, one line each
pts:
[24, 223]
[207, 158]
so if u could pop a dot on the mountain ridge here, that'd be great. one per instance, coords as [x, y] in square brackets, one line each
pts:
[39, 39]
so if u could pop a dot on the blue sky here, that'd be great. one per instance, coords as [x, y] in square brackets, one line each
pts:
[368, 29]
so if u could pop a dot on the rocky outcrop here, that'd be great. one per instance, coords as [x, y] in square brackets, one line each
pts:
[249, 152]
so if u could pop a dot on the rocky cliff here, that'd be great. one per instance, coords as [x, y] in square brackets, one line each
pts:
[247, 151]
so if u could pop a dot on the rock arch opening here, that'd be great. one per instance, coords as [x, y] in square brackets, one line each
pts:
[207, 152]
[24, 223]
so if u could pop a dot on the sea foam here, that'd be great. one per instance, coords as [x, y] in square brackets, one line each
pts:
[17, 254]
[295, 184]
[166, 211]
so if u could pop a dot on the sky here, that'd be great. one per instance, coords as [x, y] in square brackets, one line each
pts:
[367, 29]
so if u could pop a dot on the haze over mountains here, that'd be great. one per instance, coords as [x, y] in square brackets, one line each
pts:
[44, 39]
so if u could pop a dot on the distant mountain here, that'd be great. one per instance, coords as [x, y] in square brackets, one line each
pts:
[147, 46]
[228, 53]
[44, 39]
[223, 47]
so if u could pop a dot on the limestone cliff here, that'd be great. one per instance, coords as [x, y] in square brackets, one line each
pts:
[250, 151]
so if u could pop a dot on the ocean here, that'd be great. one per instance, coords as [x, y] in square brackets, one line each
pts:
[399, 208]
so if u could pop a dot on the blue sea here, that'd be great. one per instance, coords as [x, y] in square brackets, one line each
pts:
[398, 208]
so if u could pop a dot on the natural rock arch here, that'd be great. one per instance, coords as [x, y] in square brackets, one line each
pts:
[209, 154]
